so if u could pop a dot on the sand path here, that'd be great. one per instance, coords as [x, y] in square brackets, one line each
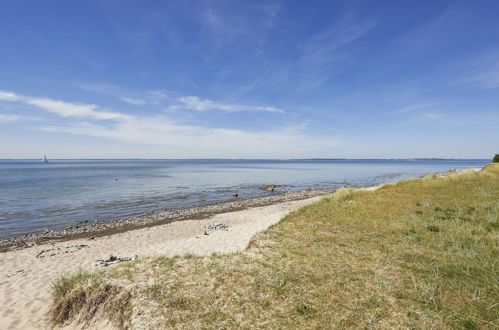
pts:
[25, 279]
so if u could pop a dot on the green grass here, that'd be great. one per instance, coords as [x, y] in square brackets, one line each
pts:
[422, 253]
[66, 282]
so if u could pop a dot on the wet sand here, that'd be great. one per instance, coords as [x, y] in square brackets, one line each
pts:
[99, 229]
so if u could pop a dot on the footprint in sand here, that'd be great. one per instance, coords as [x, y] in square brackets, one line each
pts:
[34, 310]
[7, 312]
[14, 324]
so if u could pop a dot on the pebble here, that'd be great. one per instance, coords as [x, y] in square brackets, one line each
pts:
[218, 226]
[166, 216]
[111, 260]
[55, 251]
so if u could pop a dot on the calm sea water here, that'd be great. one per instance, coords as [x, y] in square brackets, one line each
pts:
[35, 196]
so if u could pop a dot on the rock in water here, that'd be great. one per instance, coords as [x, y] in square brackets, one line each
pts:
[270, 188]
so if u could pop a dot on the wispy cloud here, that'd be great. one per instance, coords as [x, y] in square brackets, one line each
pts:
[412, 108]
[133, 101]
[325, 51]
[483, 73]
[199, 141]
[153, 97]
[163, 96]
[181, 140]
[63, 109]
[248, 20]
[197, 104]
[9, 96]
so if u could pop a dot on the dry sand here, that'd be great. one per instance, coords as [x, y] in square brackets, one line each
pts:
[25, 279]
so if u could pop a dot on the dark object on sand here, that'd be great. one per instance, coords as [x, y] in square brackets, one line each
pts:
[114, 260]
[218, 226]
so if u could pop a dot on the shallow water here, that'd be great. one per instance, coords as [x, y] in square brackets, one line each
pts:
[35, 196]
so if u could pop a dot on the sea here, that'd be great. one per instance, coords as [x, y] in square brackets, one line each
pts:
[37, 196]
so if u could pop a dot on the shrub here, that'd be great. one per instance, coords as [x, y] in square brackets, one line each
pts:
[496, 159]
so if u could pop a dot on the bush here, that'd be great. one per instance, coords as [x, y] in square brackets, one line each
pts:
[496, 159]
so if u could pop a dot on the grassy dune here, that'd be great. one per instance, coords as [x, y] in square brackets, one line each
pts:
[421, 253]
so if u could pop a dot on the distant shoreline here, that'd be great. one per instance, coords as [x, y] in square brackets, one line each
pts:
[258, 159]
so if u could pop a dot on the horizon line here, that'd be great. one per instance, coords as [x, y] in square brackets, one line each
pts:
[274, 159]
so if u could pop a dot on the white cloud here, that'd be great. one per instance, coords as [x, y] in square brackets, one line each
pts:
[66, 109]
[8, 96]
[61, 108]
[186, 141]
[162, 96]
[133, 101]
[197, 104]
[166, 138]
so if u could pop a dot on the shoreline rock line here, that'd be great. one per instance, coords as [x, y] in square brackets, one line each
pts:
[98, 229]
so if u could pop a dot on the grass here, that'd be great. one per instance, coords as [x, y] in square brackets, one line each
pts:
[84, 297]
[421, 253]
[66, 283]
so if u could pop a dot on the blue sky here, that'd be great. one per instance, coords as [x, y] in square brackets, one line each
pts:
[249, 79]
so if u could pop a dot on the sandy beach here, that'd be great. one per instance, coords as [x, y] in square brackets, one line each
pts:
[26, 274]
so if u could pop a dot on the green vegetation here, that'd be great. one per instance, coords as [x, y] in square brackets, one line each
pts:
[419, 254]
[84, 297]
[66, 283]
[496, 159]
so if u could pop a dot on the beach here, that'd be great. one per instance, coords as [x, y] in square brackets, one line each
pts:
[30, 263]
[68, 197]
[105, 228]
[26, 273]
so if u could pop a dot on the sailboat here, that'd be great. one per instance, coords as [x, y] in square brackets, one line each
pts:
[45, 160]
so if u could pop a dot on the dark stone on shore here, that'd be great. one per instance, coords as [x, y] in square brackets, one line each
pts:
[114, 260]
[217, 226]
[96, 228]
[270, 188]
